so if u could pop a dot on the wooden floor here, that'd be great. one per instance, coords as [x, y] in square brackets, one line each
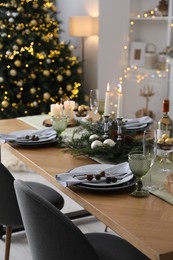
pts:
[19, 246]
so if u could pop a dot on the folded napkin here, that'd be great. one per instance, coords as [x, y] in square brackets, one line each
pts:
[43, 134]
[67, 179]
[135, 123]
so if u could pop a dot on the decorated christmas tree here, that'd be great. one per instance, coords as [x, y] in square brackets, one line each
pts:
[36, 68]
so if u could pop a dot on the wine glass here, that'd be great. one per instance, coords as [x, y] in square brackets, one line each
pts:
[94, 101]
[139, 164]
[150, 149]
[59, 124]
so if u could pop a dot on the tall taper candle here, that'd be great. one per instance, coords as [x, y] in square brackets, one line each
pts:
[120, 103]
[107, 101]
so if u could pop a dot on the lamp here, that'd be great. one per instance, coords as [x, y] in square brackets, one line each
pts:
[83, 26]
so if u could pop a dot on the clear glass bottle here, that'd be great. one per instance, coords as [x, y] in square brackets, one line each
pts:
[164, 132]
[165, 123]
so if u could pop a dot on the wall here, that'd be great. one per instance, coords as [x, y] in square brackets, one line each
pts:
[81, 8]
[112, 58]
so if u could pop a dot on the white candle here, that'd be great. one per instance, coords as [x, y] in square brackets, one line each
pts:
[55, 110]
[68, 108]
[120, 103]
[107, 101]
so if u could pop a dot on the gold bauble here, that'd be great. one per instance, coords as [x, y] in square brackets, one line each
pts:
[20, 9]
[1, 79]
[46, 73]
[79, 71]
[19, 27]
[27, 31]
[35, 6]
[20, 83]
[59, 78]
[68, 73]
[69, 87]
[13, 72]
[47, 19]
[17, 63]
[19, 41]
[15, 47]
[5, 103]
[60, 91]
[33, 23]
[1, 46]
[46, 95]
[19, 95]
[32, 90]
[33, 76]
[35, 104]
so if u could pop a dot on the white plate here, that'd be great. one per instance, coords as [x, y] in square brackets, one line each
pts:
[136, 127]
[34, 143]
[97, 168]
[44, 136]
[109, 188]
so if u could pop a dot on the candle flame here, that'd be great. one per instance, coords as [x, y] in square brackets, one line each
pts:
[119, 89]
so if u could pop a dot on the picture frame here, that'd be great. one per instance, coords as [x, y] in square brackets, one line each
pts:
[137, 53]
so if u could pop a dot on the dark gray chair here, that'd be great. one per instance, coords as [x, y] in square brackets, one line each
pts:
[53, 236]
[10, 216]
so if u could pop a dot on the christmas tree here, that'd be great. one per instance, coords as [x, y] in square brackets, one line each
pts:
[36, 68]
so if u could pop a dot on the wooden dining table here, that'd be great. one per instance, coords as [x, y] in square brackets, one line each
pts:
[146, 223]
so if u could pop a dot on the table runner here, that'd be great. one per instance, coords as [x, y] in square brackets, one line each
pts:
[158, 177]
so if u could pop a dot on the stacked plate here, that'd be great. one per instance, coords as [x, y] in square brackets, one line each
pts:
[30, 137]
[99, 177]
[138, 123]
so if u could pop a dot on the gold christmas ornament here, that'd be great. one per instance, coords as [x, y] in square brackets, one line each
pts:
[17, 63]
[60, 91]
[13, 72]
[46, 95]
[59, 78]
[19, 41]
[4, 103]
[27, 31]
[79, 71]
[15, 47]
[35, 6]
[19, 95]
[20, 9]
[19, 27]
[46, 73]
[1, 79]
[33, 23]
[69, 87]
[1, 46]
[68, 73]
[32, 90]
[33, 76]
[20, 83]
[35, 104]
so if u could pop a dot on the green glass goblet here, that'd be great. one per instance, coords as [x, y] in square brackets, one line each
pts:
[59, 124]
[139, 164]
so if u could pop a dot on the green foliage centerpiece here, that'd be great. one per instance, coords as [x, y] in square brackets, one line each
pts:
[88, 139]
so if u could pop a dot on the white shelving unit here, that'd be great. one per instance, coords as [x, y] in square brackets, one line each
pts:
[157, 30]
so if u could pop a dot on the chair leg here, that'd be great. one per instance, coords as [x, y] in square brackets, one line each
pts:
[106, 229]
[7, 242]
[2, 232]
